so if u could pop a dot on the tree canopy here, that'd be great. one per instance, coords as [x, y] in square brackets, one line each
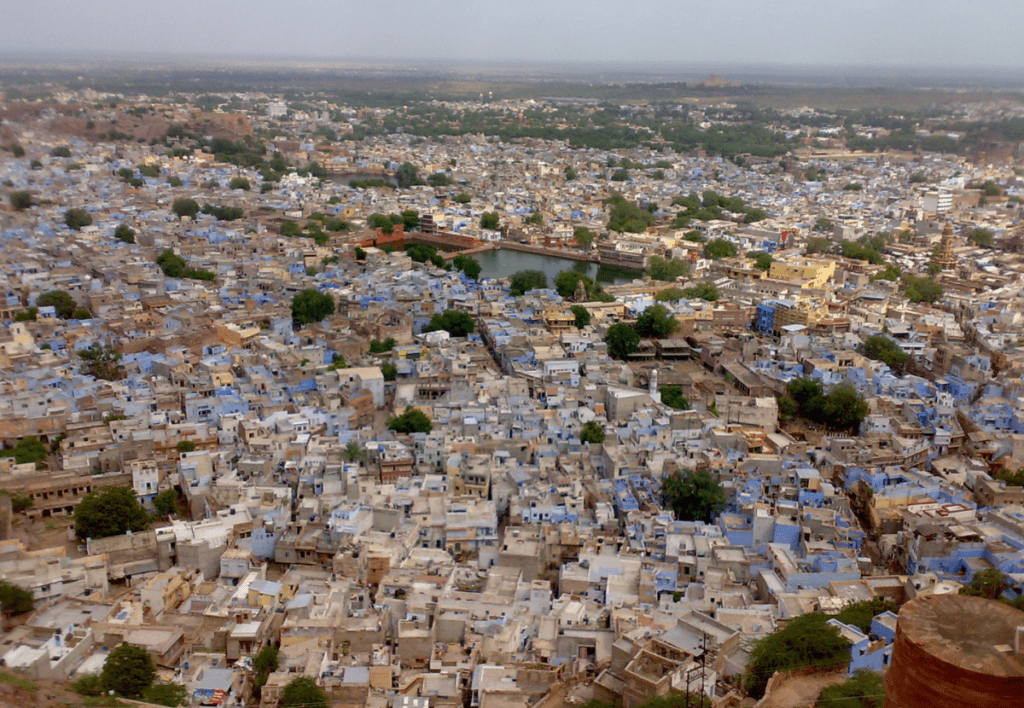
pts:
[489, 220]
[183, 206]
[469, 266]
[865, 689]
[581, 314]
[61, 300]
[842, 408]
[109, 512]
[21, 200]
[455, 322]
[860, 614]
[718, 248]
[622, 340]
[412, 420]
[77, 219]
[625, 216]
[124, 233]
[524, 281]
[656, 321]
[806, 641]
[592, 432]
[128, 671]
[407, 175]
[302, 692]
[102, 361]
[921, 289]
[14, 599]
[667, 270]
[882, 348]
[311, 306]
[693, 495]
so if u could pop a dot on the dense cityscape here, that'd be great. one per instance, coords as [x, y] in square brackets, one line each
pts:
[510, 402]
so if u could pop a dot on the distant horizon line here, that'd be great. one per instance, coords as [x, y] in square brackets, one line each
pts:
[65, 54]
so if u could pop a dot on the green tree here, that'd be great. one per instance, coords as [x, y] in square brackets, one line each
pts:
[489, 220]
[762, 261]
[61, 151]
[625, 216]
[469, 266]
[524, 281]
[21, 502]
[166, 694]
[702, 291]
[667, 270]
[919, 289]
[88, 685]
[15, 599]
[102, 361]
[128, 671]
[455, 322]
[693, 495]
[311, 306]
[21, 200]
[380, 347]
[124, 233]
[583, 237]
[989, 583]
[266, 661]
[570, 173]
[61, 300]
[567, 281]
[669, 295]
[439, 179]
[581, 314]
[239, 183]
[302, 692]
[406, 175]
[380, 221]
[981, 237]
[412, 420]
[17, 150]
[592, 432]
[656, 321]
[818, 244]
[166, 502]
[183, 206]
[535, 218]
[844, 407]
[719, 248]
[620, 175]
[865, 689]
[353, 451]
[389, 370]
[186, 446]
[881, 348]
[823, 225]
[462, 198]
[28, 450]
[109, 512]
[787, 408]
[359, 253]
[672, 396]
[860, 614]
[77, 218]
[410, 220]
[622, 340]
[805, 641]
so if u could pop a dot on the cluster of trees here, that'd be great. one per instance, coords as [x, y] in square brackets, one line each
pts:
[109, 512]
[581, 315]
[865, 689]
[64, 304]
[860, 614]
[77, 219]
[490, 220]
[805, 642]
[991, 584]
[102, 361]
[183, 206]
[29, 449]
[124, 233]
[762, 261]
[712, 205]
[718, 248]
[693, 495]
[455, 322]
[656, 321]
[567, 281]
[412, 420]
[625, 216]
[311, 306]
[622, 341]
[223, 213]
[922, 289]
[421, 253]
[842, 408]
[174, 266]
[592, 432]
[14, 599]
[882, 348]
[672, 396]
[130, 672]
[524, 281]
[866, 248]
[380, 347]
[469, 266]
[667, 270]
[21, 200]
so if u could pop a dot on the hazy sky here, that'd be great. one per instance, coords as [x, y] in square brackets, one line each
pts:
[941, 33]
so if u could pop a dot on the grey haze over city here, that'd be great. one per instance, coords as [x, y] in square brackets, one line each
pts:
[866, 33]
